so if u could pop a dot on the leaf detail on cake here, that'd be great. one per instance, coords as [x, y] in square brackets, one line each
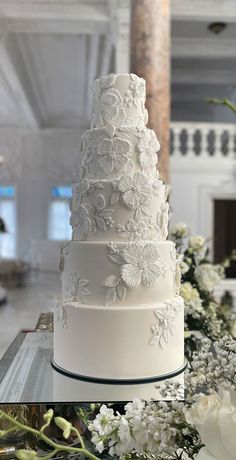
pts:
[110, 296]
[121, 291]
[115, 258]
[115, 197]
[101, 223]
[111, 281]
[78, 288]
[100, 202]
[98, 185]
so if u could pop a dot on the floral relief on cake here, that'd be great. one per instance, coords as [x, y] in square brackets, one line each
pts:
[163, 220]
[107, 104]
[80, 222]
[135, 190]
[143, 265]
[164, 327]
[88, 219]
[140, 264]
[136, 91]
[136, 229]
[178, 276]
[101, 216]
[116, 289]
[147, 147]
[61, 315]
[113, 154]
[175, 267]
[77, 291]
[84, 187]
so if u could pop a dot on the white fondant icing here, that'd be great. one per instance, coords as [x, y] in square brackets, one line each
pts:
[114, 342]
[96, 261]
[112, 219]
[108, 154]
[119, 100]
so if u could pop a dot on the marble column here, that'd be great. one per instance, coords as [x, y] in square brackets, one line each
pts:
[150, 59]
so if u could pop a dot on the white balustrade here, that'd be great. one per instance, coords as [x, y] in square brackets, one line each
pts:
[204, 140]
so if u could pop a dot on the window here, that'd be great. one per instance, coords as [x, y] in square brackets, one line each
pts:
[59, 213]
[8, 214]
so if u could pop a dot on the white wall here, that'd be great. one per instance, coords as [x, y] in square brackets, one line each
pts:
[195, 183]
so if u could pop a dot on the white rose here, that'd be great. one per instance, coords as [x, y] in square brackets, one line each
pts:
[214, 417]
[184, 267]
[190, 295]
[196, 243]
[207, 276]
[179, 230]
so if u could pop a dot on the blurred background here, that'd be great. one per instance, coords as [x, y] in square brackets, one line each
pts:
[50, 53]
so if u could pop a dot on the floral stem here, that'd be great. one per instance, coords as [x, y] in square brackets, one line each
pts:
[225, 102]
[50, 442]
[74, 430]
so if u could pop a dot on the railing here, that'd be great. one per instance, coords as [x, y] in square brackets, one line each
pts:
[203, 140]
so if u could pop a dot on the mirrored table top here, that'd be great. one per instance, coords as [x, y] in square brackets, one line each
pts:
[27, 376]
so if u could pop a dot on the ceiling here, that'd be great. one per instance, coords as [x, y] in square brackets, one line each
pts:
[51, 51]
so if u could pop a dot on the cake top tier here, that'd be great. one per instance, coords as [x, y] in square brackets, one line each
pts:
[119, 100]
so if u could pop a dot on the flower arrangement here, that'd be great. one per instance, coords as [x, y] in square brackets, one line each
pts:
[203, 314]
[194, 422]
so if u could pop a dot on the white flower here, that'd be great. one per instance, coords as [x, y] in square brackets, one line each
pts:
[184, 267]
[207, 276]
[125, 435]
[98, 442]
[148, 146]
[179, 230]
[113, 154]
[214, 416]
[196, 243]
[135, 190]
[143, 265]
[191, 297]
[134, 408]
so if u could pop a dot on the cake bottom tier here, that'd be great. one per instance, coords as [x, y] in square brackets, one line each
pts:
[119, 343]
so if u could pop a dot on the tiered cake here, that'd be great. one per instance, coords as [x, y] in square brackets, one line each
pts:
[120, 317]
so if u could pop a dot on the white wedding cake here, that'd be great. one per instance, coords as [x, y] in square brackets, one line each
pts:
[120, 317]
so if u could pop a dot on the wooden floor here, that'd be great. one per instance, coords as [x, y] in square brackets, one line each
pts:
[25, 305]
